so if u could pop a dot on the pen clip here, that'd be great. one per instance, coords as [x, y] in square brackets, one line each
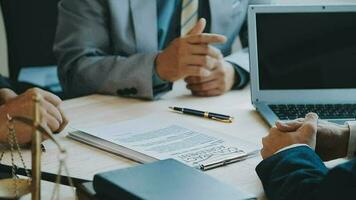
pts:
[222, 120]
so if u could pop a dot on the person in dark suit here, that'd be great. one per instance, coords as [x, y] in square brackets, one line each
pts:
[21, 105]
[3, 82]
[293, 156]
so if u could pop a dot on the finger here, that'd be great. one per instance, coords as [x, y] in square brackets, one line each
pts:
[288, 126]
[52, 123]
[310, 124]
[197, 79]
[52, 110]
[300, 120]
[274, 132]
[209, 93]
[6, 95]
[198, 28]
[206, 38]
[206, 50]
[44, 135]
[204, 61]
[53, 99]
[196, 71]
[264, 141]
[263, 153]
[64, 122]
[203, 87]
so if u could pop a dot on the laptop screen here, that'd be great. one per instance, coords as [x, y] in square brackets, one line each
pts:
[306, 50]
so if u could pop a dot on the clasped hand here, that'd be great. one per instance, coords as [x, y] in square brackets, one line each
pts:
[192, 58]
[53, 119]
[329, 140]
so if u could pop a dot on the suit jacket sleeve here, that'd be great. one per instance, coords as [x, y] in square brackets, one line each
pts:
[240, 59]
[86, 62]
[4, 83]
[299, 173]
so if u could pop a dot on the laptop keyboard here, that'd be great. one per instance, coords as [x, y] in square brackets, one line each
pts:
[325, 111]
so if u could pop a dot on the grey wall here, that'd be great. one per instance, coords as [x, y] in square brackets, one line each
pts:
[3, 51]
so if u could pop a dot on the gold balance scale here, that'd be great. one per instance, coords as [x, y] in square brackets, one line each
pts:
[15, 187]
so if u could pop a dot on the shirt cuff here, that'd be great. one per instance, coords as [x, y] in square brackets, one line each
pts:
[156, 80]
[352, 140]
[290, 147]
[243, 74]
[159, 86]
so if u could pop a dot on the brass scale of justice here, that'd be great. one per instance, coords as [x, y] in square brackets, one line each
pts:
[15, 187]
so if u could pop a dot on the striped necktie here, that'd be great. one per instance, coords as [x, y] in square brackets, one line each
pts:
[189, 16]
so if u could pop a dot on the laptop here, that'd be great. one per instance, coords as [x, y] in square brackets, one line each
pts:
[303, 59]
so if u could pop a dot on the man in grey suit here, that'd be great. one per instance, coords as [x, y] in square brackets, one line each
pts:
[136, 48]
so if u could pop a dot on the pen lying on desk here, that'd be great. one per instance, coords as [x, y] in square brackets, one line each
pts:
[198, 113]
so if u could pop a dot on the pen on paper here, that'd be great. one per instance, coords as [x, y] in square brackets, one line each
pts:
[204, 114]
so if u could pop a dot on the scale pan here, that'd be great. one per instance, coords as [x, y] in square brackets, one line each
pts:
[7, 188]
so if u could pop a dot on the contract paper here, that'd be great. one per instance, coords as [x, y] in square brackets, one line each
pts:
[162, 138]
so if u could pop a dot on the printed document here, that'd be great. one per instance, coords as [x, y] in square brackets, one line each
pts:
[152, 138]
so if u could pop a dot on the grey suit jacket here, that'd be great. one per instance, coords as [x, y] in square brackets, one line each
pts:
[110, 46]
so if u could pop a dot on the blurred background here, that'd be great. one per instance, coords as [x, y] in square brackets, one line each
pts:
[50, 72]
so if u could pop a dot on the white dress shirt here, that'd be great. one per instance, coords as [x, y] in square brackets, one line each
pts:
[352, 140]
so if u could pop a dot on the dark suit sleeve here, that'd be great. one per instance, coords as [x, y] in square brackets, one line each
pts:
[244, 35]
[299, 173]
[4, 83]
[243, 74]
[243, 77]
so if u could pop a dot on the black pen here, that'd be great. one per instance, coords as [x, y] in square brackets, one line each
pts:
[209, 115]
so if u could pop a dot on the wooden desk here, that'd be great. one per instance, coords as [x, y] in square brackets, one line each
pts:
[85, 161]
[66, 192]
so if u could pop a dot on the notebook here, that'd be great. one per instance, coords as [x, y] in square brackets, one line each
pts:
[151, 138]
[162, 180]
[85, 191]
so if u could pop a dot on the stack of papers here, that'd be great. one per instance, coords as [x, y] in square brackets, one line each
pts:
[147, 139]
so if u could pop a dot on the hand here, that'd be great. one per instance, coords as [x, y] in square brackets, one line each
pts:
[221, 80]
[331, 140]
[53, 118]
[277, 139]
[189, 55]
[6, 95]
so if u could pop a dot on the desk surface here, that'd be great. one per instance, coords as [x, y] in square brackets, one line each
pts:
[65, 192]
[85, 161]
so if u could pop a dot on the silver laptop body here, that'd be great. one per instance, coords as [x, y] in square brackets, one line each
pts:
[303, 59]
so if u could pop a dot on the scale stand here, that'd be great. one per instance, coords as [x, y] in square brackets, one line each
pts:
[15, 187]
